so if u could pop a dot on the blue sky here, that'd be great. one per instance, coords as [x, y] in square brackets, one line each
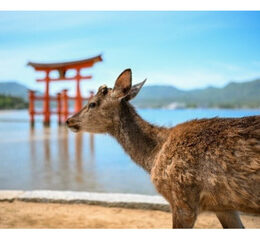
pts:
[184, 49]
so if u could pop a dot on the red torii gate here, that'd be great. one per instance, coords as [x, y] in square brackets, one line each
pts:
[62, 68]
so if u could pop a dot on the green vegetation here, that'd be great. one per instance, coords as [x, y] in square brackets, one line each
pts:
[9, 102]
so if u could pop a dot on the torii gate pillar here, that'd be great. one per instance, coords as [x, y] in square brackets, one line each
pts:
[46, 102]
[78, 100]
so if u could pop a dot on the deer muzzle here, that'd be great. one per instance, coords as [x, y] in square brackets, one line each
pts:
[73, 124]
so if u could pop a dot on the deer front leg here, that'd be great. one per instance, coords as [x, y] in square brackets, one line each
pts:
[184, 210]
[183, 218]
[229, 219]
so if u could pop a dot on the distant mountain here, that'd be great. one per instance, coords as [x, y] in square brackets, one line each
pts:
[14, 89]
[234, 95]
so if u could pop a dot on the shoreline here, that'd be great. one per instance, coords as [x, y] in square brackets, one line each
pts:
[122, 200]
[66, 209]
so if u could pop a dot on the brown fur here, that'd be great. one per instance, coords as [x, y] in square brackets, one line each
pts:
[200, 165]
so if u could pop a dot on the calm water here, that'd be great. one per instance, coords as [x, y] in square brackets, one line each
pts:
[54, 158]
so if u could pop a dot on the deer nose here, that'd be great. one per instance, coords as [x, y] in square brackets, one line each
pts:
[69, 121]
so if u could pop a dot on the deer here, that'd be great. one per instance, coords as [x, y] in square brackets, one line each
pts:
[200, 165]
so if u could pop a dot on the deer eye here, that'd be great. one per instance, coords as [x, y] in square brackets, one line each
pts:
[92, 105]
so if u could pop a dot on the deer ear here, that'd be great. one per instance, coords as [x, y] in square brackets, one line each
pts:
[123, 84]
[134, 90]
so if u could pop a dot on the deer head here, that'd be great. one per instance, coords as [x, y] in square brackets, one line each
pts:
[102, 110]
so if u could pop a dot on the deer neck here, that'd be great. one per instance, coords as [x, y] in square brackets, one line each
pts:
[140, 139]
